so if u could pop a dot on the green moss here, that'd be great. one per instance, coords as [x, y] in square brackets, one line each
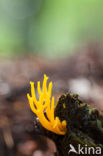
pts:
[84, 125]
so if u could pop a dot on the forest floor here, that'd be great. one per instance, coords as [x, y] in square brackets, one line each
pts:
[81, 73]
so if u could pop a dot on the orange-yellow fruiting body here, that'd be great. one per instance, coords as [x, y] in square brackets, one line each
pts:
[46, 103]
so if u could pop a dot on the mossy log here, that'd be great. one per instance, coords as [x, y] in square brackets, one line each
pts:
[84, 125]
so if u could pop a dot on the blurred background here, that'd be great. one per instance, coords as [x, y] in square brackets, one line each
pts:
[61, 38]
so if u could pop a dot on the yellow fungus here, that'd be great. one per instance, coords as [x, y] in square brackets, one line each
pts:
[46, 104]
[64, 106]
